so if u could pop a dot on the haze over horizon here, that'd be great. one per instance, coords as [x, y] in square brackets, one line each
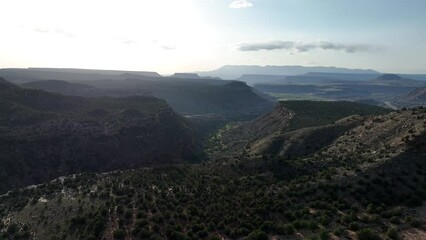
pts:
[189, 35]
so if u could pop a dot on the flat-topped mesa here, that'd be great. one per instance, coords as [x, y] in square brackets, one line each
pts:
[185, 75]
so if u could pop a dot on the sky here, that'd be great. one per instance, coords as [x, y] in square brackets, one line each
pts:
[170, 36]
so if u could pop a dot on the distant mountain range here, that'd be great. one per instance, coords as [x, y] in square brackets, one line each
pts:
[236, 71]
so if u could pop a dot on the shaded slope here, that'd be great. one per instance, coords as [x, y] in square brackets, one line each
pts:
[196, 97]
[186, 96]
[45, 135]
[64, 88]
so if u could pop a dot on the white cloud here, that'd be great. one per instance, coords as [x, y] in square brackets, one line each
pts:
[304, 47]
[54, 31]
[268, 45]
[165, 47]
[241, 4]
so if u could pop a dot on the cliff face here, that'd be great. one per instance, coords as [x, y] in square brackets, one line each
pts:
[92, 136]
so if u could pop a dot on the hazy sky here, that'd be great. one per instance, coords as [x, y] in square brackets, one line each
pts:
[188, 35]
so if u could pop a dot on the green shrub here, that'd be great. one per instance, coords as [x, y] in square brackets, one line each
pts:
[392, 233]
[339, 231]
[118, 234]
[257, 235]
[353, 226]
[177, 236]
[324, 235]
[289, 229]
[367, 234]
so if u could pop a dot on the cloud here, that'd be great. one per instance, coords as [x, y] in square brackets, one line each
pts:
[241, 4]
[42, 30]
[312, 63]
[54, 31]
[270, 45]
[303, 46]
[128, 41]
[169, 48]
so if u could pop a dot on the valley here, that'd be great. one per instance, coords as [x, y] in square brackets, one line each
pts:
[216, 159]
[344, 190]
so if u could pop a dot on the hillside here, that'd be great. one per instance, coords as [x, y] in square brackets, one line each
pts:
[197, 97]
[394, 79]
[289, 116]
[228, 99]
[64, 88]
[389, 77]
[187, 96]
[45, 135]
[418, 95]
[366, 184]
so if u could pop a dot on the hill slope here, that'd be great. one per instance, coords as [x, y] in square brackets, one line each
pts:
[186, 96]
[367, 184]
[287, 118]
[418, 95]
[64, 88]
[45, 135]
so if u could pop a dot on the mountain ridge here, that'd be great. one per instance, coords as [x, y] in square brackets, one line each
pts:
[236, 71]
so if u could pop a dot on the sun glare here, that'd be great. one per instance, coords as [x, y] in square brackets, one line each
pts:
[133, 34]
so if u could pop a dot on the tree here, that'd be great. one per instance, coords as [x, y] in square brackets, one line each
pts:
[367, 234]
[118, 234]
[257, 235]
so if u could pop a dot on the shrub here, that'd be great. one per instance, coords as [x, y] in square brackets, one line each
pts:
[353, 226]
[325, 221]
[394, 220]
[257, 235]
[118, 234]
[367, 234]
[177, 236]
[339, 231]
[312, 225]
[324, 235]
[289, 229]
[392, 233]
